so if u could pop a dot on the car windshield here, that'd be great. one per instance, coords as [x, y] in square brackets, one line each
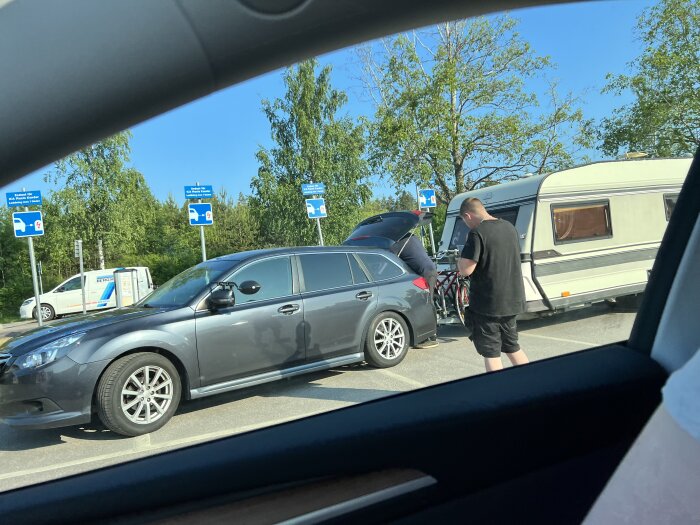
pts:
[184, 287]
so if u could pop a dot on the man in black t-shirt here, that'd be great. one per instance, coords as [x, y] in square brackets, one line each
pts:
[411, 251]
[491, 256]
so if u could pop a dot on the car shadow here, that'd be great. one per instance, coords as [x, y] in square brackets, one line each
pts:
[16, 439]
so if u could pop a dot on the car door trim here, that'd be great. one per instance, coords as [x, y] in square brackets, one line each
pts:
[267, 377]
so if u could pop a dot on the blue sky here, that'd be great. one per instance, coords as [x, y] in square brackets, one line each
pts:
[214, 140]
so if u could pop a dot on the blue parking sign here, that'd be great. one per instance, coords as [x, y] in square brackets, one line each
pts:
[28, 223]
[316, 208]
[427, 198]
[200, 214]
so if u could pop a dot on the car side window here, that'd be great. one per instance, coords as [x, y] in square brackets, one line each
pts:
[274, 276]
[73, 284]
[358, 274]
[380, 267]
[324, 271]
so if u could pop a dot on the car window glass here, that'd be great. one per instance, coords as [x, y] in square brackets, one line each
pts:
[73, 284]
[380, 267]
[184, 287]
[273, 275]
[358, 274]
[324, 271]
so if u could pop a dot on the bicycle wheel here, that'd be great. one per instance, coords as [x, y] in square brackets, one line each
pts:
[461, 300]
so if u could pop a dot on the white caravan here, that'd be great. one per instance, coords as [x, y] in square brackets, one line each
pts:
[587, 234]
[67, 297]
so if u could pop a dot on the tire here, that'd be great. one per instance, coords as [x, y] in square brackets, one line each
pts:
[387, 340]
[131, 414]
[461, 302]
[47, 312]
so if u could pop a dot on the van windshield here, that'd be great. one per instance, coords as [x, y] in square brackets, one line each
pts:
[184, 287]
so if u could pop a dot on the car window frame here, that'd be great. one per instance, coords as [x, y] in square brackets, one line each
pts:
[202, 301]
[372, 278]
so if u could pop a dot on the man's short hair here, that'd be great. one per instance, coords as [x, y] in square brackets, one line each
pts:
[472, 205]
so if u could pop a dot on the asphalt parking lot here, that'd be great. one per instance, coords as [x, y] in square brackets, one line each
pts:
[29, 457]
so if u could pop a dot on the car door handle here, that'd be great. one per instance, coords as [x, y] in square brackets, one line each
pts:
[363, 296]
[288, 309]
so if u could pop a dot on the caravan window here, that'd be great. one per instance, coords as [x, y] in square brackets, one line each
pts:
[670, 203]
[459, 234]
[510, 215]
[460, 229]
[581, 221]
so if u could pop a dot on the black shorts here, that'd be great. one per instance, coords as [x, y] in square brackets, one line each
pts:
[493, 335]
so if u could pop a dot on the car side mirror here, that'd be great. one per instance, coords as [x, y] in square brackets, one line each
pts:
[61, 289]
[222, 298]
[249, 287]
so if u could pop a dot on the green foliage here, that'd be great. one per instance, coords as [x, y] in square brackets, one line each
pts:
[664, 118]
[313, 144]
[453, 110]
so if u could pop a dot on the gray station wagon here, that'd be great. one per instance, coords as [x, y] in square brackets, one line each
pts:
[227, 323]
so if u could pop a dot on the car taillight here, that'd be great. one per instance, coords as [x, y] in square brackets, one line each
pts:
[421, 283]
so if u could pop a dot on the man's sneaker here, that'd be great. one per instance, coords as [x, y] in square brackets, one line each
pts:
[429, 343]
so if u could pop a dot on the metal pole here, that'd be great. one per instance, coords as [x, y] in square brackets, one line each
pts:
[320, 235]
[201, 237]
[118, 288]
[204, 246]
[35, 281]
[432, 237]
[135, 287]
[82, 273]
[41, 280]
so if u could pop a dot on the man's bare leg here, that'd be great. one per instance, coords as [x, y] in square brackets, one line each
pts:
[493, 364]
[518, 358]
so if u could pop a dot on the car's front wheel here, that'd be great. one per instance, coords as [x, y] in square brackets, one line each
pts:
[387, 340]
[138, 394]
[47, 312]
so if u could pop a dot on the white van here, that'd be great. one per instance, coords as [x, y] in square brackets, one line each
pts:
[67, 297]
[587, 234]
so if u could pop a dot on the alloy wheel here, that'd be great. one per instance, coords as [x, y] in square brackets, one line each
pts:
[389, 338]
[147, 395]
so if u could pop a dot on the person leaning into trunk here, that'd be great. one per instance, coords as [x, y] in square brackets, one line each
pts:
[411, 251]
[491, 258]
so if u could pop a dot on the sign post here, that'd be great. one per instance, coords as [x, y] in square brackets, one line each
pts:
[316, 207]
[427, 199]
[78, 244]
[200, 192]
[28, 224]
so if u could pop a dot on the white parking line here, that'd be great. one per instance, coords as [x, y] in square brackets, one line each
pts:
[584, 343]
[399, 377]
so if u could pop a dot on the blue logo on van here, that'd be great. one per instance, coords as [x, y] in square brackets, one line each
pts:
[109, 290]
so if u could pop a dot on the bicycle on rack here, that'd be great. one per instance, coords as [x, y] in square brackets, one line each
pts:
[451, 293]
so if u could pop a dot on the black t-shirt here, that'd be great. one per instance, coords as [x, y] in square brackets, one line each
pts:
[414, 255]
[496, 285]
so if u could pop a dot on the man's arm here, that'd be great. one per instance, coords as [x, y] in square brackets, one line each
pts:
[466, 266]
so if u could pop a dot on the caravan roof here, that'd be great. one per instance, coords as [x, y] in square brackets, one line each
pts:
[598, 177]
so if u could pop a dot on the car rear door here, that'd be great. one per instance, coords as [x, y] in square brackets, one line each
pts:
[339, 302]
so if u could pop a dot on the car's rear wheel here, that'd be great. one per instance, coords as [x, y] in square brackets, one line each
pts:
[47, 312]
[387, 340]
[138, 394]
